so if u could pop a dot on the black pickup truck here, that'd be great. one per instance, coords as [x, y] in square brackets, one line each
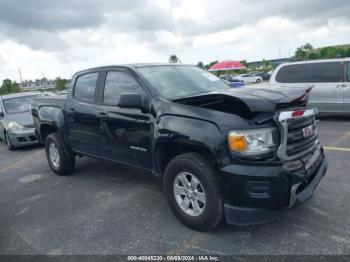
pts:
[242, 155]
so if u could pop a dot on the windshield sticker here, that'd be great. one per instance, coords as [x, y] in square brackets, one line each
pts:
[210, 76]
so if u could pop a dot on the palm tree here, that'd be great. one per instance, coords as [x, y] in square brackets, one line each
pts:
[173, 59]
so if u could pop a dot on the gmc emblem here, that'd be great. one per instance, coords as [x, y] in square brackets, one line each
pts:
[308, 131]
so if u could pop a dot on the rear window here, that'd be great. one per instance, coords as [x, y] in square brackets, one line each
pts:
[310, 73]
[85, 87]
[17, 105]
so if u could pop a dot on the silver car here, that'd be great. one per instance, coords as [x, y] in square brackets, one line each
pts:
[330, 79]
[16, 122]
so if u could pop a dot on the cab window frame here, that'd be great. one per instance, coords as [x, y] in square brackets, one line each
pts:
[347, 71]
[94, 100]
[142, 90]
[1, 109]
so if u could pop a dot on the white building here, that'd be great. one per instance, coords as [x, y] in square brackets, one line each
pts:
[37, 84]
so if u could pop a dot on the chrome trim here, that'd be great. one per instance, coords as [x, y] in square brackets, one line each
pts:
[285, 115]
[282, 119]
[293, 194]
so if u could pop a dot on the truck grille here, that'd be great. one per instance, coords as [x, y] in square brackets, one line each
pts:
[299, 133]
[299, 140]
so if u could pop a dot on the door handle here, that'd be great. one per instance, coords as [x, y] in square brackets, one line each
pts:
[103, 116]
[72, 109]
[341, 86]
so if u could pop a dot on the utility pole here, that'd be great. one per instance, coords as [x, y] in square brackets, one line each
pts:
[44, 79]
[20, 75]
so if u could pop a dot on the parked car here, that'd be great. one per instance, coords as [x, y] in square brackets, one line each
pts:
[330, 79]
[16, 123]
[264, 76]
[234, 83]
[248, 78]
[228, 77]
[236, 154]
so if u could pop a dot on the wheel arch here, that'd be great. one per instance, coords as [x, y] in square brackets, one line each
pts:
[45, 130]
[165, 152]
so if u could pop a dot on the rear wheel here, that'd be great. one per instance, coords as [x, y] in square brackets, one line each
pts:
[60, 160]
[258, 81]
[193, 192]
[9, 143]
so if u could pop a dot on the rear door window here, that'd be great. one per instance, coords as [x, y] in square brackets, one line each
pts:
[310, 73]
[325, 72]
[85, 87]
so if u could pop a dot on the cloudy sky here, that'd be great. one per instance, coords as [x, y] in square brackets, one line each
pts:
[57, 38]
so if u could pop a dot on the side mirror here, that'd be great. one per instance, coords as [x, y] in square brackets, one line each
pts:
[130, 101]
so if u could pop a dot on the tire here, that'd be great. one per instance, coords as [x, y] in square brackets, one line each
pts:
[258, 81]
[9, 143]
[197, 166]
[60, 160]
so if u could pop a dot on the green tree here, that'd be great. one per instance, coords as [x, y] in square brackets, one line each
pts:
[314, 55]
[200, 65]
[174, 59]
[348, 52]
[210, 64]
[243, 62]
[61, 84]
[341, 52]
[266, 64]
[8, 87]
[308, 47]
[302, 53]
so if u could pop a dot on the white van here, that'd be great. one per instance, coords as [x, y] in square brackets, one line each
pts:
[330, 78]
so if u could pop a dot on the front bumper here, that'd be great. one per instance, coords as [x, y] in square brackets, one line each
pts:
[26, 137]
[286, 190]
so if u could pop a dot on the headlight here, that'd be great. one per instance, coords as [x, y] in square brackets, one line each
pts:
[254, 142]
[15, 126]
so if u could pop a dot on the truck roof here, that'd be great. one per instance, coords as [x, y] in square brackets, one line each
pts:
[14, 95]
[346, 59]
[131, 66]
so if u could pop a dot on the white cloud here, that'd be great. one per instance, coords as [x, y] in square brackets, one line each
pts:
[149, 31]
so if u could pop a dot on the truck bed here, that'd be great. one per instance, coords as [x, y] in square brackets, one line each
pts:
[56, 101]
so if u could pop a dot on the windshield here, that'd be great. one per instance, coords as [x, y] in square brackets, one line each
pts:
[17, 105]
[172, 82]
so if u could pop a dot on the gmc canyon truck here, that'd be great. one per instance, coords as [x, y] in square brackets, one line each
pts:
[240, 155]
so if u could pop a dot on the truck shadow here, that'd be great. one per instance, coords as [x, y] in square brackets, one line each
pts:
[332, 118]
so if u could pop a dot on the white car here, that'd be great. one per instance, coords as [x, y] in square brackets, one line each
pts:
[248, 78]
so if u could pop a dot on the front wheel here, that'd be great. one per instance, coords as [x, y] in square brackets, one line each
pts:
[258, 81]
[9, 143]
[193, 192]
[60, 161]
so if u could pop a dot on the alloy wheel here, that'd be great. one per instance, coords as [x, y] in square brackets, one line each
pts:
[189, 194]
[54, 155]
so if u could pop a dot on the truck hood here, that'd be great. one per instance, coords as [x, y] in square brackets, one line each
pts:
[253, 99]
